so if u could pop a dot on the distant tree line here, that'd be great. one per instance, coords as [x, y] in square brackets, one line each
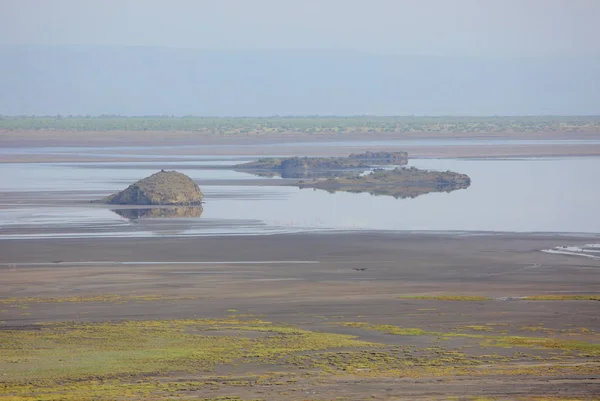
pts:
[304, 124]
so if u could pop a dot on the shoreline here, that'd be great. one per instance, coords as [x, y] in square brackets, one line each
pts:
[280, 231]
[491, 152]
[343, 235]
[184, 146]
[501, 265]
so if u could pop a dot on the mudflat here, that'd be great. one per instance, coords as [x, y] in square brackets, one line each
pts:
[304, 316]
[492, 265]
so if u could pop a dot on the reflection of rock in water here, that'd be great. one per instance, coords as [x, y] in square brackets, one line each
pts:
[160, 212]
[293, 174]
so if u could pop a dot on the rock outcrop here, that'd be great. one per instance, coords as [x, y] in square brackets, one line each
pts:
[315, 167]
[162, 188]
[399, 183]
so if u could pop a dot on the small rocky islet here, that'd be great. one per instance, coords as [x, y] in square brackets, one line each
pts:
[399, 182]
[315, 167]
[165, 188]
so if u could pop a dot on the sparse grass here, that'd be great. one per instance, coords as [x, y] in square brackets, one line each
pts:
[489, 340]
[389, 329]
[549, 297]
[544, 343]
[536, 329]
[385, 362]
[81, 358]
[563, 298]
[178, 359]
[554, 399]
[475, 328]
[447, 297]
[23, 301]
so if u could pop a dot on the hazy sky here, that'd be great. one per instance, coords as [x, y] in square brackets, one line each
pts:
[412, 27]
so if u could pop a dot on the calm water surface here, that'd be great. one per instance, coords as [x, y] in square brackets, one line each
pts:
[526, 195]
[83, 150]
[171, 152]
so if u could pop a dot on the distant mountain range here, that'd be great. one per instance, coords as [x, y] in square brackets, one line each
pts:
[95, 80]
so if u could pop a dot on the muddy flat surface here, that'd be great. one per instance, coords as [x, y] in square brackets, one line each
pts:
[319, 270]
[290, 296]
[320, 282]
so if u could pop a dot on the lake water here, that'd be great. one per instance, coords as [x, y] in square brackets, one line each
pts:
[170, 152]
[518, 195]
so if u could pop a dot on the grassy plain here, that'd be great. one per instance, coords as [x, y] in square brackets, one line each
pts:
[245, 356]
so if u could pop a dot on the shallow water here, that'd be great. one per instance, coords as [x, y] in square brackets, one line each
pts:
[119, 151]
[74, 176]
[439, 142]
[523, 195]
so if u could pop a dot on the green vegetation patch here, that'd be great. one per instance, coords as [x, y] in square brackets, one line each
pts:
[113, 359]
[488, 340]
[545, 343]
[175, 359]
[390, 329]
[475, 328]
[75, 351]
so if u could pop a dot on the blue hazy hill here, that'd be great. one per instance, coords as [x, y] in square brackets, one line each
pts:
[95, 80]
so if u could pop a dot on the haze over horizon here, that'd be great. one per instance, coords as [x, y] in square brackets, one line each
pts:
[267, 57]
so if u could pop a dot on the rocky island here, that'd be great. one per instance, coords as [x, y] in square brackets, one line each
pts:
[162, 188]
[314, 167]
[399, 183]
